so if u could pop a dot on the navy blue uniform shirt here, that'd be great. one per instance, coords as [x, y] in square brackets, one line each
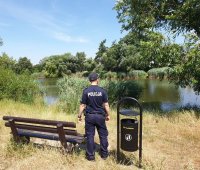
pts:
[94, 97]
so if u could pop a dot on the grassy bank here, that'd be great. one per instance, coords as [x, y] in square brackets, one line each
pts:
[168, 143]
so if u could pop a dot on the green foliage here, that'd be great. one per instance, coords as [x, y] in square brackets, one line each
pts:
[70, 92]
[24, 65]
[178, 16]
[37, 68]
[66, 64]
[89, 65]
[85, 74]
[137, 74]
[102, 49]
[187, 72]
[17, 87]
[121, 75]
[135, 15]
[140, 53]
[7, 62]
[110, 75]
[71, 88]
[119, 89]
[160, 73]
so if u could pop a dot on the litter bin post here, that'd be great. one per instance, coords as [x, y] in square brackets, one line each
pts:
[128, 136]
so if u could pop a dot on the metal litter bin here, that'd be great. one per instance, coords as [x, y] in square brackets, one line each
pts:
[129, 130]
[129, 135]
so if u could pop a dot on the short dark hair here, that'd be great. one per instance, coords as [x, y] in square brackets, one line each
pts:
[93, 76]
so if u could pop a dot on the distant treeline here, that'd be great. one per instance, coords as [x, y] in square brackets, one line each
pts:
[121, 59]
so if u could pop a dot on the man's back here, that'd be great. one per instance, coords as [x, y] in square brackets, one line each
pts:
[94, 97]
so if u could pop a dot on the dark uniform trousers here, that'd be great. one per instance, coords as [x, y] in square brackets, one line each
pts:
[98, 121]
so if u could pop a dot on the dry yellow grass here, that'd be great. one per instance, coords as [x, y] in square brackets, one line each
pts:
[168, 143]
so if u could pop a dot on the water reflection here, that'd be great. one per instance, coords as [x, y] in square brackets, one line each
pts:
[50, 90]
[165, 96]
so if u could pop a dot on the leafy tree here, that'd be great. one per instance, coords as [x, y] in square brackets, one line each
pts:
[153, 50]
[89, 64]
[7, 62]
[37, 68]
[50, 69]
[24, 65]
[80, 56]
[101, 50]
[187, 72]
[65, 64]
[175, 15]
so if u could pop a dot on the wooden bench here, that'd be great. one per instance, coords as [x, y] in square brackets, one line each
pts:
[24, 128]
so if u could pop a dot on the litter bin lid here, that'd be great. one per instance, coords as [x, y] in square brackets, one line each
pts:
[128, 112]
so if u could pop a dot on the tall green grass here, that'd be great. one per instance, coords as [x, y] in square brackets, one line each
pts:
[160, 73]
[70, 91]
[71, 88]
[137, 74]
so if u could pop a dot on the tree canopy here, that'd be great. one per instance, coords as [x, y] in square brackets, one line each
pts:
[24, 65]
[65, 64]
[175, 15]
[151, 51]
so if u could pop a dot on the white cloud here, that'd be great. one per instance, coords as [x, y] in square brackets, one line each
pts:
[66, 38]
[44, 22]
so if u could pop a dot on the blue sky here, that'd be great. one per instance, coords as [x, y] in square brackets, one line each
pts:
[40, 28]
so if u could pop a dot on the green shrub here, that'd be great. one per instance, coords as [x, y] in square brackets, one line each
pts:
[70, 92]
[137, 74]
[17, 87]
[160, 73]
[85, 73]
[101, 73]
[121, 75]
[110, 75]
[120, 89]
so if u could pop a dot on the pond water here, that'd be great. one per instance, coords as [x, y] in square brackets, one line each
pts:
[165, 96]
[50, 90]
[159, 95]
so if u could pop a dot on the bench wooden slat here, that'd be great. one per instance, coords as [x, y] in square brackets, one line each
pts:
[42, 128]
[40, 121]
[68, 138]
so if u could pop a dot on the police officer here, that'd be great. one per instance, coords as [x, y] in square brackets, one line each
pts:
[95, 103]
